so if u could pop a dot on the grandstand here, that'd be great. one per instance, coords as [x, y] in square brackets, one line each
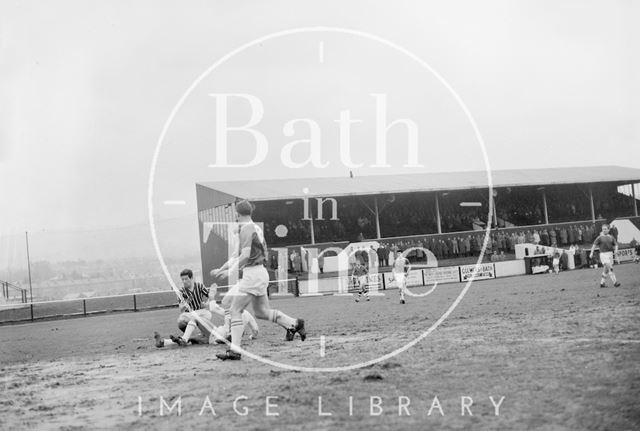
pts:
[320, 212]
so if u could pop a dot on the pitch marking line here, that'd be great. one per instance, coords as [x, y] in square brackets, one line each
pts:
[585, 340]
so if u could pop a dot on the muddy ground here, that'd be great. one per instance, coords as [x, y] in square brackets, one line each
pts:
[562, 352]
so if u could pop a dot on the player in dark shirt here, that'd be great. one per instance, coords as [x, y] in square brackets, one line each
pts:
[608, 247]
[252, 287]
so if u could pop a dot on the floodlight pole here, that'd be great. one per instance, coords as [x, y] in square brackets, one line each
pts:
[438, 214]
[26, 234]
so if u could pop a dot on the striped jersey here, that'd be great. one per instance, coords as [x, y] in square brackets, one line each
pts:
[196, 296]
[360, 270]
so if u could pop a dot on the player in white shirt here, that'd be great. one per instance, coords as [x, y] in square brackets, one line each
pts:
[399, 271]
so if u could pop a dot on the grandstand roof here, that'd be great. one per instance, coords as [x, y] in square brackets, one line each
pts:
[261, 190]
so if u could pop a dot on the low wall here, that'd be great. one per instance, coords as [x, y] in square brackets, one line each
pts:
[418, 277]
[510, 268]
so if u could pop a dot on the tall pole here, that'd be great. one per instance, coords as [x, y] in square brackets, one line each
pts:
[544, 204]
[495, 211]
[26, 234]
[438, 221]
[593, 209]
[375, 203]
[313, 235]
[635, 202]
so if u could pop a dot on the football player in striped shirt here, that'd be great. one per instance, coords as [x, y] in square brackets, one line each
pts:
[196, 313]
[360, 274]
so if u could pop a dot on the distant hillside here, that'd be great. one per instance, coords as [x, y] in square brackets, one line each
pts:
[177, 238]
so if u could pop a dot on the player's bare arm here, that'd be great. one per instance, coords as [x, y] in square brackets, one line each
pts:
[593, 247]
[233, 263]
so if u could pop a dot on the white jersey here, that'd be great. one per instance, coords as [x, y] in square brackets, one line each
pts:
[400, 265]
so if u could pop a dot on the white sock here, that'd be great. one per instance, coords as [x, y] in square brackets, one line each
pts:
[191, 326]
[282, 319]
[227, 319]
[237, 328]
[249, 321]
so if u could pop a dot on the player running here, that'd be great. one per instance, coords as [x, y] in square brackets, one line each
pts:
[399, 272]
[252, 287]
[359, 275]
[608, 247]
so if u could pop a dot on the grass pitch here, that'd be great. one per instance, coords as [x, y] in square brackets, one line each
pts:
[562, 352]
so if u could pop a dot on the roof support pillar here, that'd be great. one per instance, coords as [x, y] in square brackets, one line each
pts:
[544, 205]
[375, 203]
[495, 210]
[438, 221]
[313, 235]
[593, 208]
[635, 200]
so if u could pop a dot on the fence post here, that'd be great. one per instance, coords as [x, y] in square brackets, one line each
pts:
[31, 307]
[297, 289]
[84, 307]
[384, 281]
[135, 305]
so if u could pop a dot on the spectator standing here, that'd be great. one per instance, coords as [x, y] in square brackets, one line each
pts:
[564, 237]
[572, 234]
[380, 253]
[536, 237]
[455, 249]
[544, 237]
[613, 231]
[467, 246]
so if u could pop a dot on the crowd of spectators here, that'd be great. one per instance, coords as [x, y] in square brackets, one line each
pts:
[500, 241]
[412, 213]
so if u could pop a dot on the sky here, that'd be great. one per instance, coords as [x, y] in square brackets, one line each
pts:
[88, 86]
